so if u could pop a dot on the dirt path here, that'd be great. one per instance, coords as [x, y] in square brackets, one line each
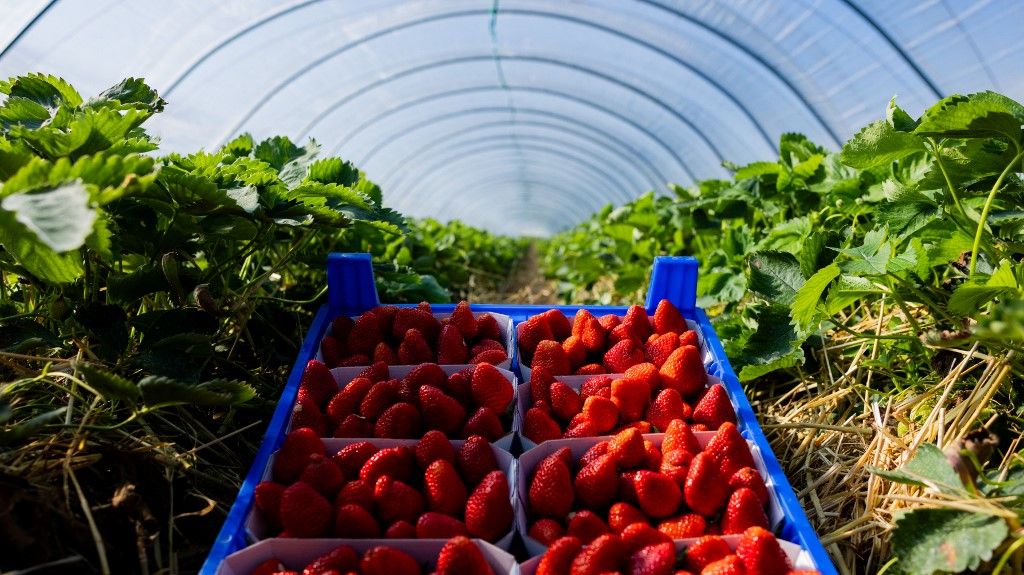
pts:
[525, 284]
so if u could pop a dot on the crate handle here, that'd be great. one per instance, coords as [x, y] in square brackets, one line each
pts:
[674, 278]
[350, 286]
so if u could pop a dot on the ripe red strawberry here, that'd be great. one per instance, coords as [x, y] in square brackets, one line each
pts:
[486, 345]
[565, 402]
[440, 411]
[324, 475]
[307, 414]
[550, 355]
[587, 327]
[475, 460]
[609, 321]
[490, 388]
[750, 478]
[678, 435]
[657, 495]
[355, 492]
[487, 327]
[355, 360]
[559, 324]
[385, 560]
[594, 384]
[714, 408]
[365, 334]
[354, 522]
[604, 554]
[400, 529]
[451, 347]
[637, 323]
[351, 458]
[545, 531]
[443, 489]
[489, 509]
[730, 449]
[597, 484]
[413, 318]
[586, 526]
[384, 353]
[414, 349]
[684, 526]
[376, 372]
[380, 397]
[462, 318]
[551, 488]
[667, 318]
[485, 423]
[538, 426]
[341, 326]
[743, 510]
[627, 448]
[424, 306]
[590, 369]
[489, 356]
[460, 556]
[684, 371]
[294, 454]
[652, 456]
[659, 350]
[630, 396]
[706, 491]
[601, 413]
[575, 351]
[340, 559]
[304, 512]
[354, 426]
[347, 401]
[395, 462]
[433, 525]
[268, 500]
[531, 332]
[458, 386]
[400, 421]
[580, 426]
[434, 446]
[647, 373]
[728, 565]
[705, 551]
[333, 350]
[595, 452]
[540, 385]
[761, 554]
[317, 383]
[386, 316]
[269, 567]
[667, 406]
[622, 356]
[652, 560]
[689, 338]
[396, 500]
[559, 557]
[639, 535]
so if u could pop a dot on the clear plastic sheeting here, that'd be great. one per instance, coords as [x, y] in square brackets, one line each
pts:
[519, 115]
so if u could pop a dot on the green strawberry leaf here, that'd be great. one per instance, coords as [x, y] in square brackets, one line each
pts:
[879, 144]
[928, 468]
[775, 276]
[929, 541]
[805, 303]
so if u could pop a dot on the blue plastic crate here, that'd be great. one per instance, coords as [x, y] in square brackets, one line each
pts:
[351, 291]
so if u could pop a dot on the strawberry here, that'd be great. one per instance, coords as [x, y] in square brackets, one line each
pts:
[647, 373]
[486, 345]
[384, 353]
[714, 408]
[575, 351]
[376, 372]
[317, 383]
[396, 500]
[546, 531]
[489, 509]
[355, 492]
[595, 452]
[706, 491]
[487, 327]
[365, 334]
[460, 556]
[550, 355]
[627, 448]
[341, 326]
[451, 347]
[594, 384]
[639, 535]
[463, 320]
[400, 529]
[609, 321]
[761, 554]
[586, 526]
[333, 350]
[355, 522]
[538, 426]
[684, 371]
[400, 421]
[347, 401]
[386, 316]
[637, 323]
[414, 349]
[341, 559]
[749, 477]
[590, 331]
[443, 489]
[355, 360]
[622, 356]
[728, 565]
[668, 319]
[294, 454]
[351, 458]
[743, 510]
[658, 496]
[551, 488]
[559, 324]
[426, 374]
[354, 426]
[324, 475]
[385, 560]
[540, 385]
[659, 350]
[269, 567]
[684, 526]
[307, 414]
[268, 500]
[601, 413]
[667, 406]
[652, 456]
[434, 525]
[679, 436]
[475, 460]
[395, 462]
[412, 318]
[630, 396]
[559, 557]
[590, 369]
[603, 555]
[689, 338]
[485, 423]
[597, 484]
[565, 402]
[730, 449]
[490, 388]
[531, 332]
[424, 306]
[622, 515]
[380, 397]
[622, 332]
[652, 560]
[304, 512]
[458, 386]
[705, 551]
[440, 411]
[489, 356]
